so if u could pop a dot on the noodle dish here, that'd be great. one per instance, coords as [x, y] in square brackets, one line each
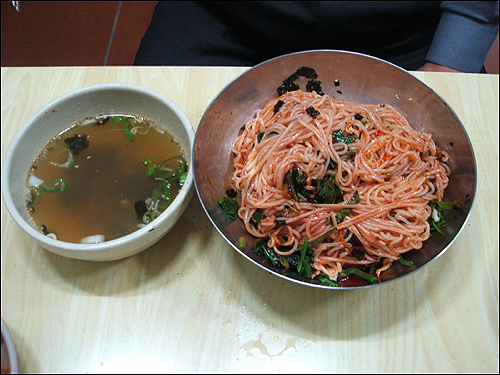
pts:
[338, 190]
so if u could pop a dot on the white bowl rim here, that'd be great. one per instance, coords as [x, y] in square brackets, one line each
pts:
[11, 349]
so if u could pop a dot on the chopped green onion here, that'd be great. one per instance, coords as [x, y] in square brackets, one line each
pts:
[150, 168]
[149, 216]
[325, 280]
[167, 189]
[142, 133]
[343, 212]
[68, 163]
[171, 168]
[55, 185]
[436, 220]
[284, 262]
[304, 266]
[322, 238]
[406, 263]
[242, 243]
[34, 192]
[169, 172]
[129, 134]
[157, 193]
[182, 179]
[163, 206]
[359, 273]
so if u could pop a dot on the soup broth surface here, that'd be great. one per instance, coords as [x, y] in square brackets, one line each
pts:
[92, 178]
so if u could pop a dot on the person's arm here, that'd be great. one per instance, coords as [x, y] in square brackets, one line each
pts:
[431, 67]
[464, 36]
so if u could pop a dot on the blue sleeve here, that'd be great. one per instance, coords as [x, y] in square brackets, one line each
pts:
[465, 34]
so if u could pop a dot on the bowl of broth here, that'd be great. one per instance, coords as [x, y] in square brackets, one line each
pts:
[100, 173]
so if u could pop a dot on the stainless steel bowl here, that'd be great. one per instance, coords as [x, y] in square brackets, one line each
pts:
[360, 78]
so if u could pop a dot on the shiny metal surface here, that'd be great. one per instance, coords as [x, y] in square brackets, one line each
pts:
[363, 79]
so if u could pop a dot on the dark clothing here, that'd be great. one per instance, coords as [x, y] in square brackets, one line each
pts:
[245, 33]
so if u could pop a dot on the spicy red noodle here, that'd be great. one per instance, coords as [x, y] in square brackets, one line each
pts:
[395, 169]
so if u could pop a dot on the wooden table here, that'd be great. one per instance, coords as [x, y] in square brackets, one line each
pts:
[192, 304]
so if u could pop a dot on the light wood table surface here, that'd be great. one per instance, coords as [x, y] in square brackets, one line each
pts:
[190, 303]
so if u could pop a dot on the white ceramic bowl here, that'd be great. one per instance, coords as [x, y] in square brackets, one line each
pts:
[9, 356]
[74, 106]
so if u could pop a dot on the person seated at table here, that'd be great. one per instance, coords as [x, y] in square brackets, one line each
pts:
[436, 36]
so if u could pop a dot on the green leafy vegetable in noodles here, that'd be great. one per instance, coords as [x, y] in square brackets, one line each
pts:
[325, 280]
[229, 206]
[436, 220]
[343, 212]
[339, 137]
[306, 258]
[406, 263]
[328, 191]
[359, 273]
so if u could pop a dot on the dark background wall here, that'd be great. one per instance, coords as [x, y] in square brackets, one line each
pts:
[73, 33]
[86, 33]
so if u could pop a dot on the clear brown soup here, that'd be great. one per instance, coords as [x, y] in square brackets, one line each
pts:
[107, 188]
